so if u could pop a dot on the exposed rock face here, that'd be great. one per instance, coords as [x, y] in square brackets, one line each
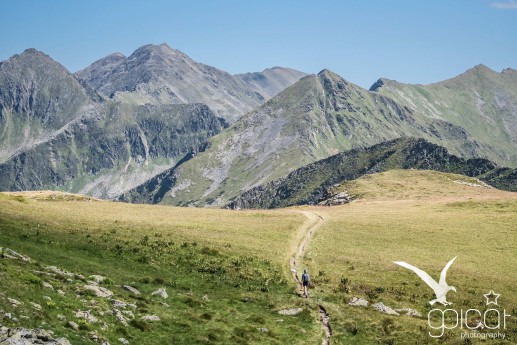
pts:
[408, 312]
[87, 315]
[23, 336]
[340, 198]
[97, 72]
[38, 96]
[312, 184]
[113, 153]
[158, 74]
[381, 307]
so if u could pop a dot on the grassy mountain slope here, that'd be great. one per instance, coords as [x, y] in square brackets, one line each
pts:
[158, 74]
[314, 183]
[481, 101]
[224, 279]
[313, 119]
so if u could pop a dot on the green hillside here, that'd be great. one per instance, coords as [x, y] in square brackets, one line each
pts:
[481, 101]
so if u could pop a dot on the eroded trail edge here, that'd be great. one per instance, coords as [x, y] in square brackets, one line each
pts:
[314, 221]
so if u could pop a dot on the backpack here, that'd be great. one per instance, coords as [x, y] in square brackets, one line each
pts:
[306, 278]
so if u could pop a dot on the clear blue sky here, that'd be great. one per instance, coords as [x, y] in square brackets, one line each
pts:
[362, 40]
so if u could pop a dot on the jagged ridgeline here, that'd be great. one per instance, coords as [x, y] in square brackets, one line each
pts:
[322, 115]
[159, 74]
[313, 183]
[151, 127]
[110, 128]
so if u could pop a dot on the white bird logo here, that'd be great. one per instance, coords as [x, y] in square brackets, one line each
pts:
[440, 288]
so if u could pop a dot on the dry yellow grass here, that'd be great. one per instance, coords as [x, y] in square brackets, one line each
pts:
[424, 218]
[265, 234]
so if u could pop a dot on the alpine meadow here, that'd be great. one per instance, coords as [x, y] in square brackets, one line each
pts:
[149, 198]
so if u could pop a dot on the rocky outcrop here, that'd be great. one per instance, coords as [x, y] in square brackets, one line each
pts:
[24, 336]
[381, 307]
[340, 198]
[358, 302]
[312, 184]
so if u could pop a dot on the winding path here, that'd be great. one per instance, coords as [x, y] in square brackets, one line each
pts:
[307, 230]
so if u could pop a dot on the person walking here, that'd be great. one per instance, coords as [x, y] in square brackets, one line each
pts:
[306, 282]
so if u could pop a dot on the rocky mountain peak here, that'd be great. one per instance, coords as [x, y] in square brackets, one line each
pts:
[32, 58]
[478, 71]
[378, 84]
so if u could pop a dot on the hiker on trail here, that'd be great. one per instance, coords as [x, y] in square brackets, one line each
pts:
[306, 281]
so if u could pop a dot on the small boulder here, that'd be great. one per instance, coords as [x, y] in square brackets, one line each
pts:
[99, 291]
[73, 325]
[121, 318]
[381, 307]
[290, 312]
[35, 305]
[131, 289]
[48, 286]
[118, 304]
[11, 254]
[14, 303]
[150, 318]
[358, 302]
[129, 314]
[160, 292]
[97, 278]
[123, 341]
[87, 315]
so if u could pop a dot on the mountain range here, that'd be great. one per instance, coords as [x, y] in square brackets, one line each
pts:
[159, 127]
[317, 117]
[107, 128]
[316, 182]
[158, 74]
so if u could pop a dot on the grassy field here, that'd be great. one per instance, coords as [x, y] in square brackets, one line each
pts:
[226, 272]
[424, 218]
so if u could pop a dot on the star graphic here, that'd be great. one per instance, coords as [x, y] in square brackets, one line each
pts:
[491, 295]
